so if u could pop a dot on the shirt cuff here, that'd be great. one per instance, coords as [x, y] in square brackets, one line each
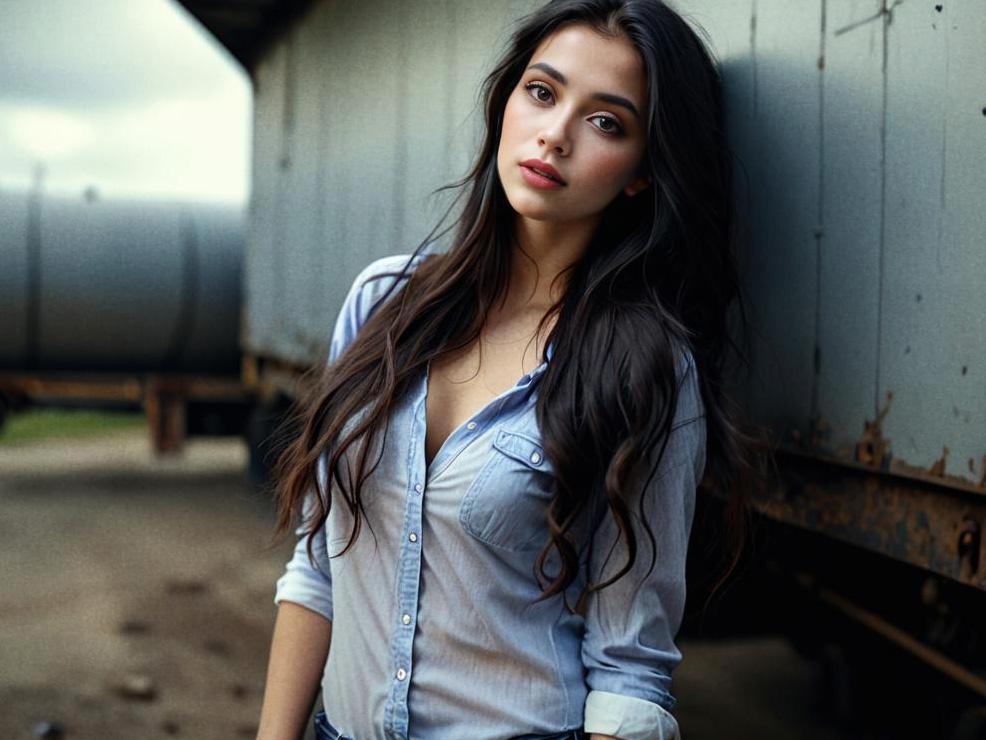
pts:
[628, 717]
[309, 589]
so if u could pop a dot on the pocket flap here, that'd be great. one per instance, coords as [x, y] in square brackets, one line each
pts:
[522, 448]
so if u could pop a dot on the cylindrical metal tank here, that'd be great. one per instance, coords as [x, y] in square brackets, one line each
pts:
[119, 286]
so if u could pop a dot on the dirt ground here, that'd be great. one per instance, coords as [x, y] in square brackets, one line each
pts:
[136, 602]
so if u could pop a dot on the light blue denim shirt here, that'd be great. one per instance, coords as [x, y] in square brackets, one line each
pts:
[435, 633]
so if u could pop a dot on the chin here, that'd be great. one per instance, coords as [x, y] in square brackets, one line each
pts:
[530, 206]
[537, 214]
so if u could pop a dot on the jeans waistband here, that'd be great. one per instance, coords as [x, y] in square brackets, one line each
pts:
[325, 731]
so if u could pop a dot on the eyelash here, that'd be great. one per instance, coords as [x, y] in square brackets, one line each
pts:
[538, 85]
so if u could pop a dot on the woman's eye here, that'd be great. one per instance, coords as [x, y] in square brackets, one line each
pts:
[609, 125]
[542, 94]
[534, 89]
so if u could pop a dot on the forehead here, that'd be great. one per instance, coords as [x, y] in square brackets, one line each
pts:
[593, 62]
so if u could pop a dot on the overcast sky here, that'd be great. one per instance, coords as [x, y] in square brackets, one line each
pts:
[129, 96]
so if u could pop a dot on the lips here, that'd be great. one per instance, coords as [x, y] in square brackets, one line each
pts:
[543, 168]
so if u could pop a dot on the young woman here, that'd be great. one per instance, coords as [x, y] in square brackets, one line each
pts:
[522, 421]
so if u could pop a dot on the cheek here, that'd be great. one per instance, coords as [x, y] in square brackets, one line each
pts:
[512, 120]
[609, 168]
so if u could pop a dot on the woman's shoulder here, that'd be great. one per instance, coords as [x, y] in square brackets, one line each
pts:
[378, 276]
[368, 290]
[392, 263]
[376, 279]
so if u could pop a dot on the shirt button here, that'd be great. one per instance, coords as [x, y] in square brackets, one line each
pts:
[417, 487]
[406, 619]
[413, 537]
[471, 425]
[401, 673]
[535, 457]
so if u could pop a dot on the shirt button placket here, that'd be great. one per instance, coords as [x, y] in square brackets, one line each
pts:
[409, 575]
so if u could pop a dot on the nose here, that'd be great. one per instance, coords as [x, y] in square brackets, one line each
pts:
[555, 136]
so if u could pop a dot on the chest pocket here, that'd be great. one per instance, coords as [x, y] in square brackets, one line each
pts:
[507, 504]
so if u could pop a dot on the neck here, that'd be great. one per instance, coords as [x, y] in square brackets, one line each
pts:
[540, 251]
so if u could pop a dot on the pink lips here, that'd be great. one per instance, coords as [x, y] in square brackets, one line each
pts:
[550, 178]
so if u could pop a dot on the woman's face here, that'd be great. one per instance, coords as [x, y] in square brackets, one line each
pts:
[577, 108]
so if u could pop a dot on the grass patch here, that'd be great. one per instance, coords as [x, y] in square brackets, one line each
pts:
[39, 424]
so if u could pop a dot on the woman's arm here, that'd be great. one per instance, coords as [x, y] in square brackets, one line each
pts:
[298, 652]
[629, 648]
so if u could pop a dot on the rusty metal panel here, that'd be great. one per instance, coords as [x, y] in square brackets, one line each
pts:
[766, 52]
[776, 139]
[849, 219]
[858, 127]
[914, 520]
[933, 338]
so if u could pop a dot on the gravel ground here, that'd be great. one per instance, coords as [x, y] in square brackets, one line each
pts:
[120, 570]
[137, 603]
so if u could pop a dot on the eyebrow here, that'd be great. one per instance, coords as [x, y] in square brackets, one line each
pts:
[603, 96]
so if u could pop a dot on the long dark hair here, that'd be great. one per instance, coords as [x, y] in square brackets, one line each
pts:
[658, 274]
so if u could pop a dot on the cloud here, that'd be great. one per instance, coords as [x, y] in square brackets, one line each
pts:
[131, 96]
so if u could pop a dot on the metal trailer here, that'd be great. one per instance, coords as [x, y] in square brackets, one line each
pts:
[859, 129]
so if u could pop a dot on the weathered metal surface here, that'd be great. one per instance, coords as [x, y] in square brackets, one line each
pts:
[361, 111]
[926, 522]
[861, 133]
[860, 137]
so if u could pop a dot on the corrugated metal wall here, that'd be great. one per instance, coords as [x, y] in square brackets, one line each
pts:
[862, 130]
[361, 111]
[862, 137]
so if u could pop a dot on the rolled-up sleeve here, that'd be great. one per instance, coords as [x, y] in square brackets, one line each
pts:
[628, 648]
[303, 582]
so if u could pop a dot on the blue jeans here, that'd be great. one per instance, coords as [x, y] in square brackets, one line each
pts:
[325, 731]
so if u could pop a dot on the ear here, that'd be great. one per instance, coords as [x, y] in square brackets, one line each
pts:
[636, 185]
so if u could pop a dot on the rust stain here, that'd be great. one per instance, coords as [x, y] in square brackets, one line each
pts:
[917, 471]
[873, 448]
[934, 528]
[938, 466]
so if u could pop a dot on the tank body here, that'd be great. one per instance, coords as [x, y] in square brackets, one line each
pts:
[119, 286]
